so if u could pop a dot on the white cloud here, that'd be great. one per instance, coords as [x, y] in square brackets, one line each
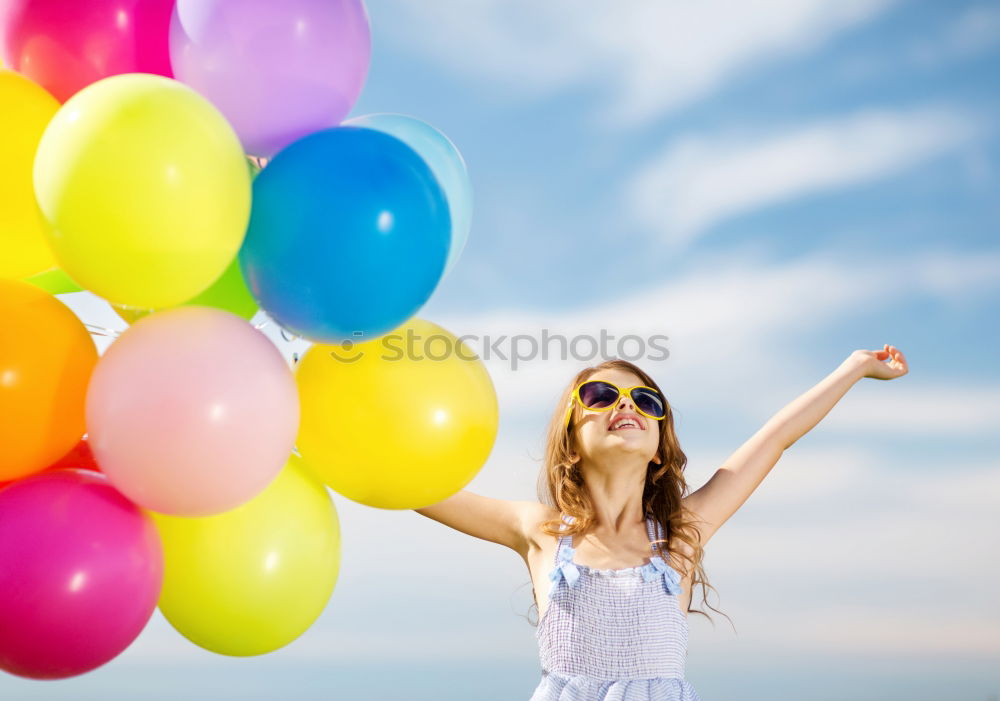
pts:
[698, 181]
[327, 641]
[671, 54]
[931, 632]
[920, 408]
[957, 278]
[649, 57]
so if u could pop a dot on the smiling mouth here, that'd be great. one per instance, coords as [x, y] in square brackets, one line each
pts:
[635, 427]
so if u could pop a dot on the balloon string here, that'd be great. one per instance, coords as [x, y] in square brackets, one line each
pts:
[289, 337]
[96, 330]
[102, 331]
[284, 335]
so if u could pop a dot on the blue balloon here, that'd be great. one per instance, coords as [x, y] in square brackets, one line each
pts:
[446, 163]
[348, 237]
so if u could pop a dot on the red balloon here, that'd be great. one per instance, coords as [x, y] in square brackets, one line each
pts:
[81, 569]
[65, 45]
[80, 457]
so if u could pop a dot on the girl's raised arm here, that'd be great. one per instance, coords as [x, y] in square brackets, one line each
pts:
[734, 482]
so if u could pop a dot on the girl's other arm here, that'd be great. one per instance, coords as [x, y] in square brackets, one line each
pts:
[496, 520]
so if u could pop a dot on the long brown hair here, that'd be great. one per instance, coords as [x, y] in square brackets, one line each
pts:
[561, 485]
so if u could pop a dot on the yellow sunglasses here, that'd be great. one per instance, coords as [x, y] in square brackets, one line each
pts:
[598, 395]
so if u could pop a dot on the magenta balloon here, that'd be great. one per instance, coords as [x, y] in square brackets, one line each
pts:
[192, 411]
[277, 69]
[66, 45]
[81, 568]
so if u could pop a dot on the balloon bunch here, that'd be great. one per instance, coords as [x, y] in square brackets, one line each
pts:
[188, 162]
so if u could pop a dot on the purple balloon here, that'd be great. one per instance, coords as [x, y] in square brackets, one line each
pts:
[81, 569]
[277, 69]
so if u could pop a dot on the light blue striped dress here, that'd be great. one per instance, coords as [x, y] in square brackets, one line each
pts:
[613, 635]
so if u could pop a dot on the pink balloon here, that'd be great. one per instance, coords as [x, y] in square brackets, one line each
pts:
[276, 69]
[192, 411]
[81, 569]
[65, 45]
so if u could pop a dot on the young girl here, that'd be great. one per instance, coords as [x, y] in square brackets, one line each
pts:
[614, 561]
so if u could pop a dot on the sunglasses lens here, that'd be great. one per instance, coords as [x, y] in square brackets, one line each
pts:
[597, 395]
[648, 402]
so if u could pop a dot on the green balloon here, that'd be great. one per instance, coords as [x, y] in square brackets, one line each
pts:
[54, 281]
[229, 292]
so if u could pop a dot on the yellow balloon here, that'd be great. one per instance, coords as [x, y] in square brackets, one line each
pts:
[399, 422]
[25, 109]
[253, 579]
[144, 186]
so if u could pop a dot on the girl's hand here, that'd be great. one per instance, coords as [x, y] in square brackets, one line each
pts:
[872, 362]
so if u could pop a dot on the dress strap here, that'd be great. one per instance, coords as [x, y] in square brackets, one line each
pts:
[564, 568]
[655, 533]
[657, 567]
[565, 541]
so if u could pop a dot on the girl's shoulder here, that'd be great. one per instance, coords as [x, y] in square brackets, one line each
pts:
[534, 514]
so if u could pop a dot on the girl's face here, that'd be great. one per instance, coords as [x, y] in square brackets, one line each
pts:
[596, 440]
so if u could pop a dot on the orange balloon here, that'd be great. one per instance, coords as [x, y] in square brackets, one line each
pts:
[46, 358]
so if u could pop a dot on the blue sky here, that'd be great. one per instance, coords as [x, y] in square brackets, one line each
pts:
[771, 185]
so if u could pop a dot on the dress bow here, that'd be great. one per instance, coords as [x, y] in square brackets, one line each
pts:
[565, 568]
[657, 568]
